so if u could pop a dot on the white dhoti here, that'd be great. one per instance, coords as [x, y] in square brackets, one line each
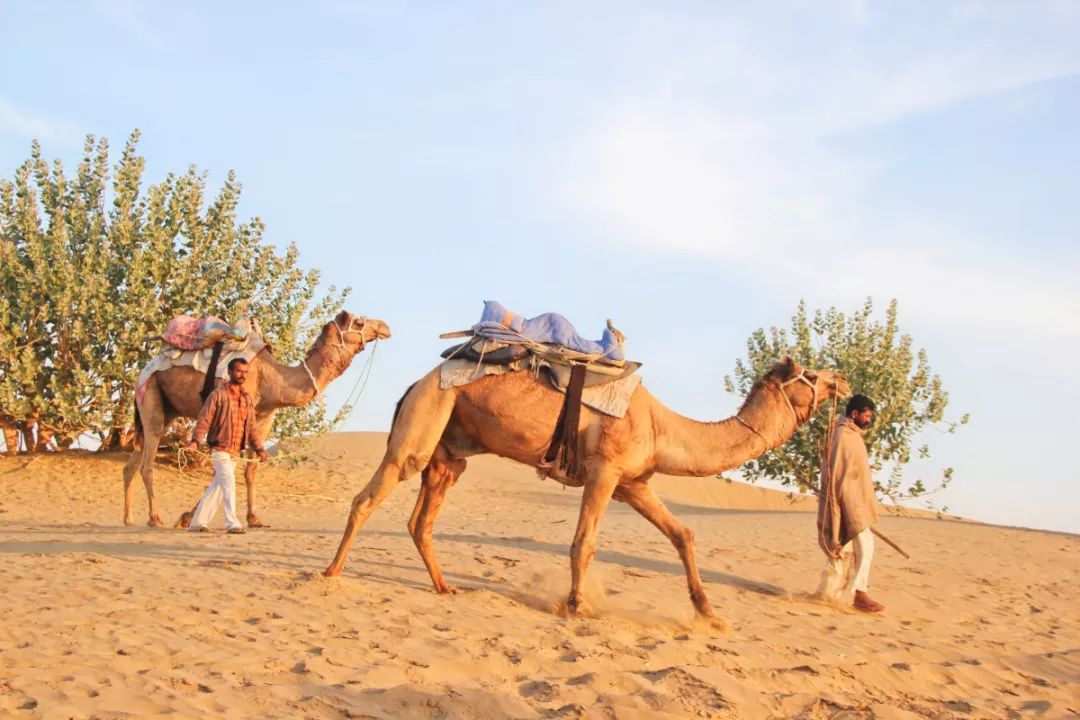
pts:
[222, 490]
[842, 577]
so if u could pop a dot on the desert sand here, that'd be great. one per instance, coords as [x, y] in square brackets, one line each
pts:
[99, 620]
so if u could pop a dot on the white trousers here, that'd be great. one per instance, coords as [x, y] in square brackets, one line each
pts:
[222, 489]
[841, 578]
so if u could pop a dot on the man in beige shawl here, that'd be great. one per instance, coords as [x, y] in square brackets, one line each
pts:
[847, 508]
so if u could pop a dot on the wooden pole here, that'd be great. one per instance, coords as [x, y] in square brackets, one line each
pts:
[890, 543]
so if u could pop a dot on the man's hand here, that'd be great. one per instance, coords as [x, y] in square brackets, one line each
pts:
[192, 446]
[262, 455]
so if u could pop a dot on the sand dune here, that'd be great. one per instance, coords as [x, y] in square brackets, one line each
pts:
[107, 621]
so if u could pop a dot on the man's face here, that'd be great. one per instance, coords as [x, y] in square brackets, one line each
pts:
[863, 418]
[238, 373]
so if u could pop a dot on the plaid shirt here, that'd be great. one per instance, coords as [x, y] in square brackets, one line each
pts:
[227, 421]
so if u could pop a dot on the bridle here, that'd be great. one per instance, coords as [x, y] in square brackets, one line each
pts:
[342, 332]
[802, 377]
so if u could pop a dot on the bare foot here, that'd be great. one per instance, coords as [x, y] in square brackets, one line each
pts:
[253, 521]
[864, 604]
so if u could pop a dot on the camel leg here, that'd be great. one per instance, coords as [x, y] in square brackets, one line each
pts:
[152, 415]
[262, 430]
[130, 467]
[438, 476]
[644, 499]
[594, 501]
[11, 439]
[45, 434]
[425, 412]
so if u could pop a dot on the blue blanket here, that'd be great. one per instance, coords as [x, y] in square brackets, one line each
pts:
[501, 324]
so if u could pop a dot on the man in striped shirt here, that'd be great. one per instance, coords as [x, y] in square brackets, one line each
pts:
[227, 424]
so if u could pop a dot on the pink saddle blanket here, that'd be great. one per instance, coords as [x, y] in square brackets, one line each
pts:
[190, 333]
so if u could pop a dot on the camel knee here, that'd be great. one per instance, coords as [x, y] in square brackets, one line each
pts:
[582, 550]
[683, 539]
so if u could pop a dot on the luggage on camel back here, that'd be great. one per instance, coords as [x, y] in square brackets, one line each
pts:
[591, 373]
[205, 344]
[190, 333]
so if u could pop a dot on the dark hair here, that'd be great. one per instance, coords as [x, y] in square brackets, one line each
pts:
[236, 361]
[858, 403]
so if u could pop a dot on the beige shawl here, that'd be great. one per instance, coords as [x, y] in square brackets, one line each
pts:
[846, 503]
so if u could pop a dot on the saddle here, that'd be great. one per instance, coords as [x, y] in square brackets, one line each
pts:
[554, 360]
[568, 370]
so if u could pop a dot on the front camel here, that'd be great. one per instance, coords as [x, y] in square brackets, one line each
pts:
[512, 415]
[174, 393]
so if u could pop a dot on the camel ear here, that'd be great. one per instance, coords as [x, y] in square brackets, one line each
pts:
[789, 368]
[342, 318]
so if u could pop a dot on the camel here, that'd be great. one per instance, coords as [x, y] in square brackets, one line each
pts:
[174, 393]
[513, 415]
[12, 429]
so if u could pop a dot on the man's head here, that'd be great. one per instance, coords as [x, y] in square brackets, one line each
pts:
[238, 368]
[861, 410]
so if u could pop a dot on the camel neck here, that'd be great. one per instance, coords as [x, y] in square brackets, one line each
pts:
[694, 448]
[291, 385]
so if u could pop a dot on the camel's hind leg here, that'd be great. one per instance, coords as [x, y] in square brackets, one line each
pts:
[440, 474]
[425, 411]
[644, 499]
[152, 416]
[11, 438]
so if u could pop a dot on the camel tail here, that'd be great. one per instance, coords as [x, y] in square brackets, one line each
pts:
[138, 428]
[397, 411]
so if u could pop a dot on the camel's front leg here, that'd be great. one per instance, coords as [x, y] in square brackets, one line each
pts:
[440, 474]
[250, 468]
[594, 501]
[644, 499]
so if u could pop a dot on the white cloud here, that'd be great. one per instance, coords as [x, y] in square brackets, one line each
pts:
[31, 124]
[738, 167]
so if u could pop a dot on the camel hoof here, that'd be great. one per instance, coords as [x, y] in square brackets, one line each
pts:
[253, 521]
[154, 521]
[577, 608]
[445, 589]
[129, 521]
[718, 624]
[331, 572]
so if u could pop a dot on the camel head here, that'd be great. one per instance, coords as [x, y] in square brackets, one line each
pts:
[346, 336]
[804, 389]
[352, 333]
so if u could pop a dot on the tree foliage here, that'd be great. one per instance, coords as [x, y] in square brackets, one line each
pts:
[879, 361]
[93, 264]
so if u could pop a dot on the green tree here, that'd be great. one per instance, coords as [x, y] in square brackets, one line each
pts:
[90, 269]
[879, 362]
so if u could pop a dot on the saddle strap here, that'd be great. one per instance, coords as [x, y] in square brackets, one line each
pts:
[211, 372]
[563, 448]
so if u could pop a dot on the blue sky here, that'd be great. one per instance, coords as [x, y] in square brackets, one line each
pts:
[689, 169]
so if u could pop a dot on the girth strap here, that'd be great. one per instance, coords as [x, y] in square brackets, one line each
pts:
[564, 442]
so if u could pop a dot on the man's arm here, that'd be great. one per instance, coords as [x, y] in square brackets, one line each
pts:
[206, 414]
